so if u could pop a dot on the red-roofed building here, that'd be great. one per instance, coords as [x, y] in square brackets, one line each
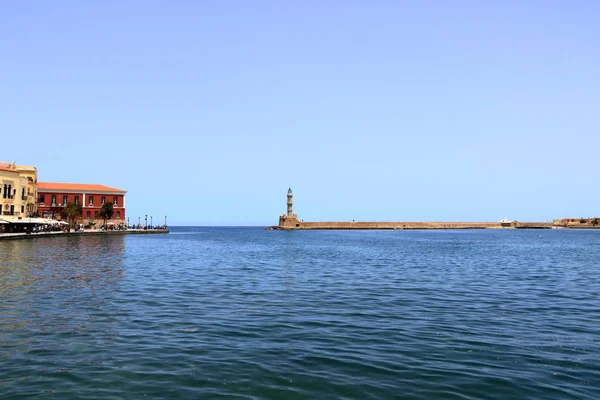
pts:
[53, 196]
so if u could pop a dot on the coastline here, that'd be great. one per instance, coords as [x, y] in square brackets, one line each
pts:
[23, 235]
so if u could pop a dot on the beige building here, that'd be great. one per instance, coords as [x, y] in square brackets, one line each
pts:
[18, 190]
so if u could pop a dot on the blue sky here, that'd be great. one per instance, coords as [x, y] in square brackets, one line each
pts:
[207, 111]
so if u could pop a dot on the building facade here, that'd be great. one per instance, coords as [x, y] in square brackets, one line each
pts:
[54, 196]
[18, 189]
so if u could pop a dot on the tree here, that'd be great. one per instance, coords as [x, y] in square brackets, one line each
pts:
[72, 211]
[106, 212]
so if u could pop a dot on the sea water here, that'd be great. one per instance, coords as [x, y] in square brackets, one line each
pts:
[255, 314]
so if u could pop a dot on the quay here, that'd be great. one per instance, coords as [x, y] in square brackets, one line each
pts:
[408, 225]
[93, 232]
[290, 221]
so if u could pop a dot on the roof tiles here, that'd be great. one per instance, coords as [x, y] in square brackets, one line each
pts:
[8, 169]
[82, 187]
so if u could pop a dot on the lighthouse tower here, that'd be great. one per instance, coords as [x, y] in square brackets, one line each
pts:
[289, 220]
[289, 202]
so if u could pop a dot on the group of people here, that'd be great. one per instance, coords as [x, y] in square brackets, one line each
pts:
[120, 227]
[157, 227]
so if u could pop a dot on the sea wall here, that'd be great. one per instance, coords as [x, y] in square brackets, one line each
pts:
[299, 225]
[399, 225]
[23, 235]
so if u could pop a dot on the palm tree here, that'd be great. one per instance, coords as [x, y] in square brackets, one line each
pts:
[72, 211]
[106, 212]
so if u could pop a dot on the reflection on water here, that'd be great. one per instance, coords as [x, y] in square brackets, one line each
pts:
[54, 287]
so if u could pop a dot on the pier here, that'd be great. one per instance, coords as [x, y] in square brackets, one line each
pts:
[290, 221]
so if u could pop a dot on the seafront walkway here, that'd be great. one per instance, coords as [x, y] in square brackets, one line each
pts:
[23, 235]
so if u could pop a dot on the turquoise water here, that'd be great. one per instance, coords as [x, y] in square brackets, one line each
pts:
[248, 313]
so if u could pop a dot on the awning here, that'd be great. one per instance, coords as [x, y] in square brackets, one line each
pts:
[44, 221]
[8, 220]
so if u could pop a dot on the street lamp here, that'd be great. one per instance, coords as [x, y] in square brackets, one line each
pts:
[139, 222]
[146, 222]
[128, 222]
[165, 222]
[151, 222]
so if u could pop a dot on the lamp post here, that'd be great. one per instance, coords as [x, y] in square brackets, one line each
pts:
[146, 222]
[165, 222]
[139, 222]
[128, 222]
[151, 222]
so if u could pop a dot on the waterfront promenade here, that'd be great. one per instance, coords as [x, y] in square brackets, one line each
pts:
[23, 235]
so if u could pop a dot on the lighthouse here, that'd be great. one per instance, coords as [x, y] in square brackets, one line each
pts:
[289, 220]
[289, 202]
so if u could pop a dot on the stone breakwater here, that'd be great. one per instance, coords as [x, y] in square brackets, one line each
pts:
[299, 225]
[290, 221]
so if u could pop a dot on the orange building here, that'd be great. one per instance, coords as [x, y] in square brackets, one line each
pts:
[53, 197]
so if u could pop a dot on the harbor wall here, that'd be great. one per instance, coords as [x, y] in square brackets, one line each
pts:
[23, 235]
[294, 224]
[399, 225]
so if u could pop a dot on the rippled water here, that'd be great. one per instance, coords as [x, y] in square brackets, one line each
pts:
[248, 313]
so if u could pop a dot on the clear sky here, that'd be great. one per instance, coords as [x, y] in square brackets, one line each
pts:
[207, 111]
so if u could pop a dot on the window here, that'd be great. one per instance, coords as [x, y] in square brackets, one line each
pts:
[7, 194]
[118, 214]
[42, 198]
[22, 209]
[96, 214]
[103, 199]
[76, 200]
[53, 199]
[88, 214]
[65, 200]
[91, 200]
[115, 201]
[23, 194]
